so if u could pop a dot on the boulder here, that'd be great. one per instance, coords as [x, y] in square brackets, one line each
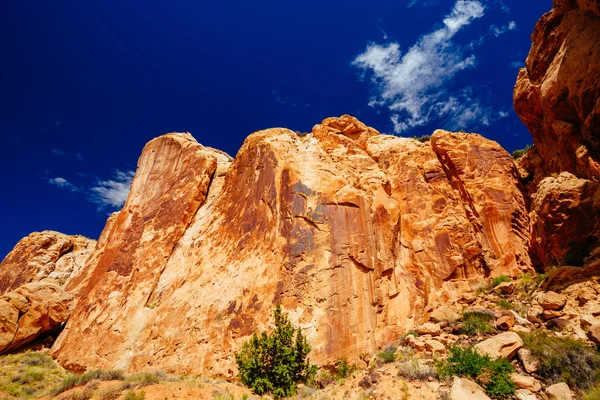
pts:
[594, 334]
[525, 394]
[559, 391]
[505, 287]
[429, 329]
[505, 323]
[530, 363]
[435, 347]
[444, 313]
[552, 300]
[466, 389]
[503, 345]
[587, 320]
[526, 382]
[31, 310]
[44, 256]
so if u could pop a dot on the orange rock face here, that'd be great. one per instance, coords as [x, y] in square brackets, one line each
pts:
[557, 94]
[48, 256]
[354, 232]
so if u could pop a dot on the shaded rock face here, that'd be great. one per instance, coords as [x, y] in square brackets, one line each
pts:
[557, 96]
[48, 256]
[31, 310]
[355, 233]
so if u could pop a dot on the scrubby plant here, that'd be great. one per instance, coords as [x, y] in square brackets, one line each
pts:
[101, 375]
[505, 304]
[564, 359]
[492, 375]
[131, 395]
[412, 369]
[498, 280]
[520, 152]
[275, 362]
[476, 322]
[388, 355]
[28, 375]
[343, 368]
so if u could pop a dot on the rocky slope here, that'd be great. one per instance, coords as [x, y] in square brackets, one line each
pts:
[354, 232]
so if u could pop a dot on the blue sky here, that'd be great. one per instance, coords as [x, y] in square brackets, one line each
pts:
[85, 84]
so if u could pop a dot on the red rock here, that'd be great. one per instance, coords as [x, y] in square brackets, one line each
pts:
[205, 247]
[47, 255]
[31, 310]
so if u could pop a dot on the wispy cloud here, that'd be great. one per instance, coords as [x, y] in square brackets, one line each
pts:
[497, 31]
[58, 152]
[516, 64]
[63, 183]
[112, 193]
[417, 86]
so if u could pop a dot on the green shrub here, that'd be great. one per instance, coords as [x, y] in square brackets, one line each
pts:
[507, 305]
[492, 375]
[592, 393]
[101, 375]
[564, 359]
[498, 280]
[275, 362]
[343, 368]
[476, 322]
[388, 355]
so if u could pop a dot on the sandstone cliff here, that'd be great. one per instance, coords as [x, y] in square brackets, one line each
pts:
[557, 96]
[354, 232]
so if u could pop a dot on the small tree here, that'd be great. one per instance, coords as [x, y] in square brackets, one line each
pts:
[275, 362]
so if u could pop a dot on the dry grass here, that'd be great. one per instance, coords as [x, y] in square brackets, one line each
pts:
[29, 375]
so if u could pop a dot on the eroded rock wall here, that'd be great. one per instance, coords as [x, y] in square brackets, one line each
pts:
[557, 96]
[354, 232]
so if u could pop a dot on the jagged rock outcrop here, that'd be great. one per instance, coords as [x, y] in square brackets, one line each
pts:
[31, 310]
[48, 256]
[354, 232]
[557, 96]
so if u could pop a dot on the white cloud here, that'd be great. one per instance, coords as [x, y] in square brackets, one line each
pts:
[511, 26]
[58, 152]
[112, 193]
[412, 85]
[63, 183]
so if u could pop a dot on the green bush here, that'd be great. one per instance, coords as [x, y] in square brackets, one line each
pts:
[498, 280]
[492, 375]
[476, 322]
[564, 359]
[388, 355]
[275, 362]
[343, 368]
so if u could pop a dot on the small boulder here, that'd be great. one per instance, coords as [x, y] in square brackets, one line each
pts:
[429, 329]
[465, 389]
[552, 300]
[524, 394]
[530, 363]
[435, 347]
[505, 287]
[505, 323]
[526, 382]
[587, 320]
[559, 391]
[550, 314]
[594, 333]
[533, 314]
[444, 313]
[503, 345]
[557, 323]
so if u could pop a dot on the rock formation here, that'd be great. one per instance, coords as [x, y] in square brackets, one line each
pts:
[557, 96]
[31, 310]
[354, 232]
[48, 256]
